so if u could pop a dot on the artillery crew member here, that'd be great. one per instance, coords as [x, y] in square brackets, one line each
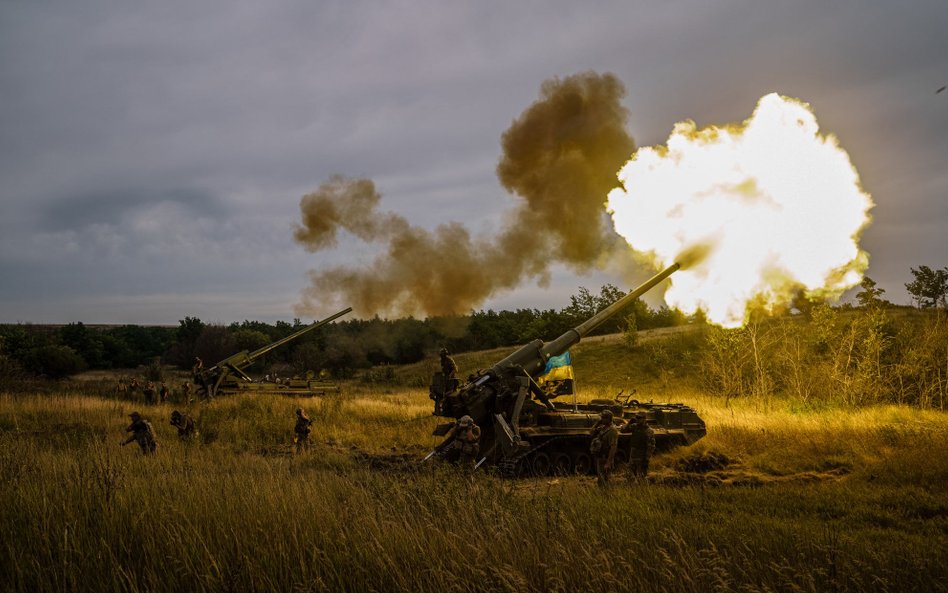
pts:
[643, 445]
[185, 425]
[186, 388]
[164, 394]
[605, 440]
[467, 442]
[149, 393]
[449, 368]
[199, 378]
[142, 433]
[302, 430]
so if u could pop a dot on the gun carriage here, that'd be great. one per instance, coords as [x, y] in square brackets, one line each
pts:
[229, 376]
[525, 431]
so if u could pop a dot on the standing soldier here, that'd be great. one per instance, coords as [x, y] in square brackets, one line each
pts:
[643, 445]
[149, 393]
[133, 387]
[142, 433]
[184, 424]
[449, 368]
[605, 440]
[467, 442]
[164, 394]
[199, 378]
[186, 389]
[302, 430]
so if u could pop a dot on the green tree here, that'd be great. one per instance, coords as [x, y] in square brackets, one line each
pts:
[55, 361]
[930, 287]
[870, 296]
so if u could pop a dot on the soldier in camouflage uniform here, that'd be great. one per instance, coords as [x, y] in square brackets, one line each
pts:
[186, 390]
[302, 430]
[605, 441]
[142, 434]
[449, 368]
[149, 393]
[184, 424]
[200, 378]
[643, 445]
[467, 442]
[164, 394]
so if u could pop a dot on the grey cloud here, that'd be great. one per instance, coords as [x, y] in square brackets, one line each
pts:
[113, 206]
[227, 112]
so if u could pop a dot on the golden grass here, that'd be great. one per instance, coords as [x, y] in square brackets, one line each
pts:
[238, 512]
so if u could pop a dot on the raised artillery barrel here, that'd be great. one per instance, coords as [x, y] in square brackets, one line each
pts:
[235, 363]
[261, 351]
[573, 336]
[532, 357]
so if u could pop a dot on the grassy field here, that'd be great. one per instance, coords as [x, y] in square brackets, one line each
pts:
[776, 498]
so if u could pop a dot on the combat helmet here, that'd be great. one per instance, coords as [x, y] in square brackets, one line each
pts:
[465, 421]
[135, 416]
[606, 415]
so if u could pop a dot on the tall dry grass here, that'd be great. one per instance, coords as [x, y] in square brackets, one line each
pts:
[237, 512]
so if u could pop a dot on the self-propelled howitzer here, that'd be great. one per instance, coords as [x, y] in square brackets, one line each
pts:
[524, 431]
[229, 376]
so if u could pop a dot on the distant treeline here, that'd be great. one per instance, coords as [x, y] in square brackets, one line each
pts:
[342, 348]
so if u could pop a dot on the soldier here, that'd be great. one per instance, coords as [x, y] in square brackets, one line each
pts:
[302, 430]
[643, 445]
[142, 433]
[449, 368]
[164, 394]
[467, 437]
[199, 378]
[149, 393]
[186, 389]
[184, 424]
[605, 440]
[133, 387]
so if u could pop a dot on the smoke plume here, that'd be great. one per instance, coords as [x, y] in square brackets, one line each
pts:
[560, 159]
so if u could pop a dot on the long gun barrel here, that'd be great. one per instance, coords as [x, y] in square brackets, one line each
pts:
[261, 351]
[573, 336]
[533, 356]
[235, 364]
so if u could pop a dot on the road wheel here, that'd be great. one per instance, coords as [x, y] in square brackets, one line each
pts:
[582, 463]
[541, 464]
[562, 464]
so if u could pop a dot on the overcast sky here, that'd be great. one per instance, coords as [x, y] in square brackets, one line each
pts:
[152, 157]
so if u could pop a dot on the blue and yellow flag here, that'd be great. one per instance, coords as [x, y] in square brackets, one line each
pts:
[557, 368]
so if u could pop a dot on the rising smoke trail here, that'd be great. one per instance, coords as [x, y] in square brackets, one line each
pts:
[559, 157]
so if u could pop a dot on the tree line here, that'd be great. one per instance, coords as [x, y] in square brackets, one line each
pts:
[812, 351]
[851, 356]
[342, 348]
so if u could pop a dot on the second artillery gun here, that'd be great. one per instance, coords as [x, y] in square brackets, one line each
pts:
[523, 431]
[229, 375]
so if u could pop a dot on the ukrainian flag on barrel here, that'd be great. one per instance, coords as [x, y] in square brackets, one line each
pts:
[558, 368]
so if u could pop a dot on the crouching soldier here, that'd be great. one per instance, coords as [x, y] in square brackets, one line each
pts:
[302, 430]
[467, 442]
[142, 434]
[184, 424]
[643, 445]
[603, 445]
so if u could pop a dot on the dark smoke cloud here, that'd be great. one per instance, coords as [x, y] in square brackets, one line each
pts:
[560, 156]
